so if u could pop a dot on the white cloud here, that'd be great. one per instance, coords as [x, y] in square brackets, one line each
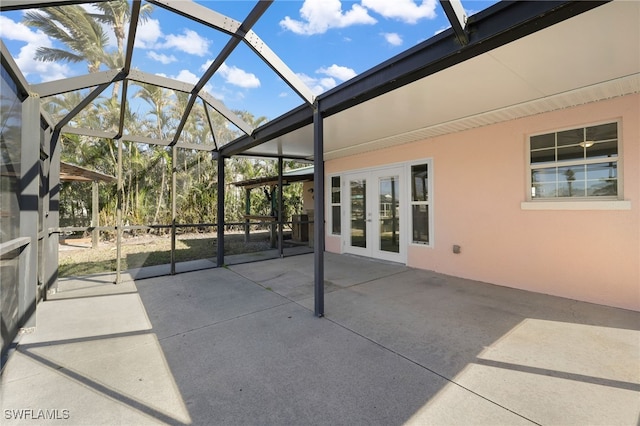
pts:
[186, 76]
[313, 84]
[318, 85]
[403, 10]
[393, 39]
[148, 34]
[189, 42]
[328, 82]
[189, 77]
[337, 71]
[236, 76]
[161, 57]
[318, 16]
[46, 71]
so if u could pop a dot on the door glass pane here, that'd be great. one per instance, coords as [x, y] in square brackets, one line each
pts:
[389, 206]
[358, 213]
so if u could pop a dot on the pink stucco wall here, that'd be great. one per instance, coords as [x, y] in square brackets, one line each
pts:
[480, 181]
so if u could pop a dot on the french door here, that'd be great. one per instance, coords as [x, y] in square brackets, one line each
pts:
[375, 211]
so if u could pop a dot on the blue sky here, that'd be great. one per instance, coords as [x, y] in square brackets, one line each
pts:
[325, 42]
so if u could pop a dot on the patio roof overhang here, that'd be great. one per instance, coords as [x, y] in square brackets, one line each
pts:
[71, 172]
[304, 174]
[523, 58]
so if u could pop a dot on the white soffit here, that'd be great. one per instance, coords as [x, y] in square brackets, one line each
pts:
[590, 57]
[296, 144]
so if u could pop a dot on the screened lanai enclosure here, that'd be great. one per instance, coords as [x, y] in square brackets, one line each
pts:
[135, 169]
[122, 169]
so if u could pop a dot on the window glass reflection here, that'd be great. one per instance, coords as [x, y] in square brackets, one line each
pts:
[419, 183]
[358, 213]
[389, 209]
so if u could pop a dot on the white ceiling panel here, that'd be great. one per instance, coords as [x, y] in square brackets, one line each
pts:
[296, 144]
[599, 45]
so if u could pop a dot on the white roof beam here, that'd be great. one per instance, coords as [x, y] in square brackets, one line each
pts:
[88, 132]
[213, 134]
[458, 19]
[195, 146]
[145, 140]
[71, 84]
[278, 66]
[156, 80]
[123, 108]
[133, 26]
[201, 14]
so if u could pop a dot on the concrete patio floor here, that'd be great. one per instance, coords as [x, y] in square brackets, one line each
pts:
[240, 346]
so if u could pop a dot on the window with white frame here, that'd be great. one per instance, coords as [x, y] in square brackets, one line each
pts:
[577, 163]
[335, 205]
[420, 203]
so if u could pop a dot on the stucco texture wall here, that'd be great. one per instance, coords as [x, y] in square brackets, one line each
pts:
[480, 181]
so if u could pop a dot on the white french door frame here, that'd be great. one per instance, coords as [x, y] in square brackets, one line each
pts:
[369, 218]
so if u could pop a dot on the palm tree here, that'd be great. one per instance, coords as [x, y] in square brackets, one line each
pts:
[82, 33]
[84, 37]
[117, 14]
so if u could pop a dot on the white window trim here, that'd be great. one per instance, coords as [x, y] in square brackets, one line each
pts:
[331, 204]
[577, 203]
[430, 203]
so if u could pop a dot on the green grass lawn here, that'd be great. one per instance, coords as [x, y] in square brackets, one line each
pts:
[76, 258]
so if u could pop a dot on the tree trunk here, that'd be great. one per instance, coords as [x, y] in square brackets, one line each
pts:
[162, 179]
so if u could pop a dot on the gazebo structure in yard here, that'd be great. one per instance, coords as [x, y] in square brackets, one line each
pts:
[272, 187]
[72, 173]
[506, 149]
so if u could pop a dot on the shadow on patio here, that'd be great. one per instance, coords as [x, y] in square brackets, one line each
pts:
[240, 345]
